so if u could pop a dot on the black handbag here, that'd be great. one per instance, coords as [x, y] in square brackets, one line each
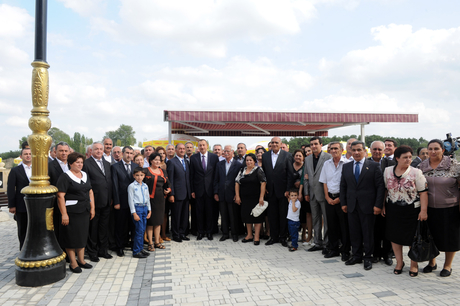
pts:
[423, 247]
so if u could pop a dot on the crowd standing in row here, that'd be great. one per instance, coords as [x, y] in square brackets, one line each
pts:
[362, 209]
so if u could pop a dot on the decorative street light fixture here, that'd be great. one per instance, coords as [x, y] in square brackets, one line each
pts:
[41, 260]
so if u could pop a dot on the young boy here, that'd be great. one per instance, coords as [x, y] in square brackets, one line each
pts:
[293, 218]
[139, 204]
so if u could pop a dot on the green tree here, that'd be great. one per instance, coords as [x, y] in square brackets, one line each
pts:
[59, 135]
[124, 133]
[22, 140]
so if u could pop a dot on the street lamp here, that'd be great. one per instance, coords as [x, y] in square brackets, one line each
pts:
[41, 260]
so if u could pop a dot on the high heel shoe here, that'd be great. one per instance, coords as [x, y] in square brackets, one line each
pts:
[413, 274]
[396, 271]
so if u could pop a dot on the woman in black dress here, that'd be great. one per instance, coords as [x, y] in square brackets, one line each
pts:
[76, 203]
[406, 202]
[158, 184]
[250, 190]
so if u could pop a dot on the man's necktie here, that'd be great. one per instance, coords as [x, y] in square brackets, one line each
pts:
[203, 163]
[102, 166]
[357, 171]
[183, 165]
[128, 169]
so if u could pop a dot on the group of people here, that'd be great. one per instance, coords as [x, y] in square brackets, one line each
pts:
[362, 209]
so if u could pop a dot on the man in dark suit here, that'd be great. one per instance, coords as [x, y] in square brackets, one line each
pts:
[55, 169]
[382, 246]
[277, 165]
[19, 178]
[422, 154]
[202, 168]
[361, 196]
[224, 193]
[100, 175]
[189, 149]
[179, 177]
[52, 155]
[122, 176]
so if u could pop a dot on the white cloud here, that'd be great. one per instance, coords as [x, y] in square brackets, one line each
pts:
[17, 121]
[204, 27]
[86, 7]
[14, 22]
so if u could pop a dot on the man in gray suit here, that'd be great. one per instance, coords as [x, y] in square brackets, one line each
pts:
[314, 192]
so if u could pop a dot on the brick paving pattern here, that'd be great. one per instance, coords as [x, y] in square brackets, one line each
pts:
[227, 273]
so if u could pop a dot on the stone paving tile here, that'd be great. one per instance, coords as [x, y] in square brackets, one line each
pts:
[227, 273]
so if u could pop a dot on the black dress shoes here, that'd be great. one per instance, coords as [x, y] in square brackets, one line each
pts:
[325, 251]
[445, 273]
[375, 259]
[185, 238]
[353, 261]
[429, 268]
[145, 253]
[209, 236]
[199, 236]
[94, 258]
[315, 248]
[388, 261]
[139, 255]
[345, 256]
[284, 243]
[224, 237]
[120, 253]
[332, 254]
[235, 238]
[105, 255]
[84, 266]
[247, 240]
[177, 239]
[367, 264]
[271, 241]
[77, 269]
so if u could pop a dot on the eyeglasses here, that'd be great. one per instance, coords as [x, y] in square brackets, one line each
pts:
[376, 149]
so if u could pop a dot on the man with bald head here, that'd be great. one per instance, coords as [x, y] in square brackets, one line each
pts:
[377, 148]
[349, 154]
[277, 165]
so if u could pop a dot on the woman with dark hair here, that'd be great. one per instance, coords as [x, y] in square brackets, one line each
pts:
[160, 150]
[76, 204]
[442, 174]
[259, 152]
[158, 184]
[139, 160]
[406, 202]
[250, 190]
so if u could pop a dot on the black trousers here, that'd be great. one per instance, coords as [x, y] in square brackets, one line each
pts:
[337, 222]
[277, 212]
[98, 240]
[361, 233]
[123, 226]
[111, 229]
[215, 217]
[228, 218]
[179, 218]
[204, 213]
[193, 221]
[21, 220]
[382, 246]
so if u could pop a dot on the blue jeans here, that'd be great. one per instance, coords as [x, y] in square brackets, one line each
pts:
[293, 227]
[138, 243]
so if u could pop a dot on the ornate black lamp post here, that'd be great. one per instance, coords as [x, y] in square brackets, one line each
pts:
[41, 260]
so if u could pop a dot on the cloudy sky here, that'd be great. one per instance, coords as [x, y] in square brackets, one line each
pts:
[124, 61]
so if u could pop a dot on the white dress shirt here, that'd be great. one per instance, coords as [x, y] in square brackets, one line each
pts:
[331, 175]
[63, 165]
[228, 165]
[205, 159]
[146, 163]
[361, 163]
[275, 158]
[99, 163]
[28, 170]
[107, 157]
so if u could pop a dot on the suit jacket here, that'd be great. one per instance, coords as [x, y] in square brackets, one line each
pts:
[203, 183]
[387, 163]
[368, 192]
[17, 179]
[224, 183]
[54, 171]
[121, 180]
[280, 178]
[179, 179]
[312, 186]
[101, 183]
[415, 162]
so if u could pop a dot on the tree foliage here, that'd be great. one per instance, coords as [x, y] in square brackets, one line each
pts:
[297, 142]
[123, 136]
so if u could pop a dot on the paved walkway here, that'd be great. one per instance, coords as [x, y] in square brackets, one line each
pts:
[227, 273]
